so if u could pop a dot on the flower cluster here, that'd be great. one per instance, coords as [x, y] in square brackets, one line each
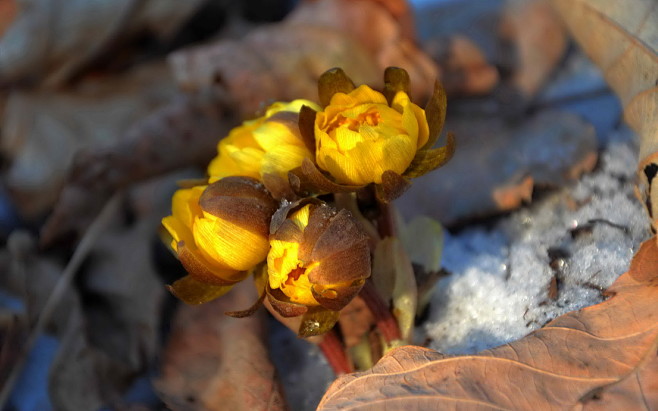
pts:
[260, 212]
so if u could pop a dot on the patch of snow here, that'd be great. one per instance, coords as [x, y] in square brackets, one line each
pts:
[577, 240]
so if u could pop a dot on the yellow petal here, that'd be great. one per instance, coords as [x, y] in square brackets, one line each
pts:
[281, 260]
[282, 159]
[346, 138]
[225, 243]
[423, 127]
[299, 291]
[178, 231]
[294, 106]
[410, 124]
[360, 95]
[301, 216]
[272, 134]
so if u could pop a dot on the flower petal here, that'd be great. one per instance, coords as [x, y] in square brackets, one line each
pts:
[283, 158]
[227, 243]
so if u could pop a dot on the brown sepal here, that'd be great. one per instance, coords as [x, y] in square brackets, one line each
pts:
[393, 186]
[194, 292]
[331, 82]
[428, 160]
[435, 112]
[279, 302]
[279, 187]
[336, 298]
[309, 179]
[317, 321]
[342, 232]
[241, 200]
[282, 213]
[395, 79]
[249, 311]
[191, 182]
[307, 127]
[350, 262]
[200, 271]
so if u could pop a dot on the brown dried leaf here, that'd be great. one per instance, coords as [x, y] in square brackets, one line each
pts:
[625, 47]
[215, 362]
[42, 130]
[539, 40]
[283, 61]
[550, 148]
[178, 135]
[602, 357]
[53, 40]
[464, 67]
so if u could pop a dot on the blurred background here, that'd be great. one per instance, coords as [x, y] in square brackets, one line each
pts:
[130, 96]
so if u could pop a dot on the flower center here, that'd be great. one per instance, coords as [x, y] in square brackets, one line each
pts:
[372, 117]
[295, 274]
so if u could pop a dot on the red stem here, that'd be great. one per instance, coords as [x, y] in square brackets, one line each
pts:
[386, 323]
[334, 352]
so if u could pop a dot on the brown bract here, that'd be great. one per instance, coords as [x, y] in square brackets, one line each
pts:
[601, 357]
[242, 200]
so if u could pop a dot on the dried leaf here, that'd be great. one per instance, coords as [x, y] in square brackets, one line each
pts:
[551, 147]
[283, 61]
[180, 134]
[42, 130]
[464, 67]
[539, 42]
[626, 50]
[54, 40]
[599, 357]
[194, 292]
[215, 362]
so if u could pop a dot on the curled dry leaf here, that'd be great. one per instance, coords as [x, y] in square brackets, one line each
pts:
[626, 49]
[215, 362]
[551, 148]
[601, 357]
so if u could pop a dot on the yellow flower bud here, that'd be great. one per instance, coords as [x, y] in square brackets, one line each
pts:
[270, 144]
[318, 257]
[359, 135]
[221, 230]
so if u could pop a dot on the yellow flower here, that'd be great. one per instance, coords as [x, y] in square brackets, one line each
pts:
[221, 230]
[359, 135]
[270, 144]
[318, 257]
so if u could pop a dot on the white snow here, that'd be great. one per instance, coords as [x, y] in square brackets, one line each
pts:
[499, 287]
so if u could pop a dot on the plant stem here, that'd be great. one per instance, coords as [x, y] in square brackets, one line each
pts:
[334, 352]
[386, 323]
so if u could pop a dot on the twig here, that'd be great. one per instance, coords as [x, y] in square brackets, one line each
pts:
[86, 243]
